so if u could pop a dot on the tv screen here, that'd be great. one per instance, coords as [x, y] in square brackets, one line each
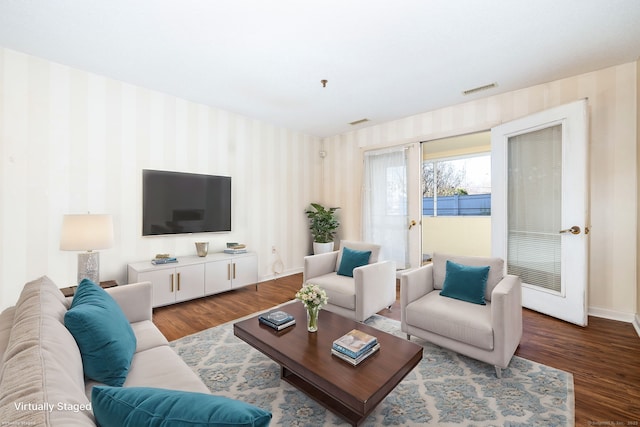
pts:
[176, 202]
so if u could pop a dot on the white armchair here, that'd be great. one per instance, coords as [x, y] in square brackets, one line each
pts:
[489, 333]
[372, 287]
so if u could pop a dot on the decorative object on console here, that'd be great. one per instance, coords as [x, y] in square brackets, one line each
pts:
[313, 298]
[323, 224]
[163, 259]
[202, 248]
[87, 232]
[235, 248]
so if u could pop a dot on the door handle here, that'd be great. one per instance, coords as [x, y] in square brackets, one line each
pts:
[412, 223]
[573, 230]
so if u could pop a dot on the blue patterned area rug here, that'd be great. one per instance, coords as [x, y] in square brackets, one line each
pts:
[445, 389]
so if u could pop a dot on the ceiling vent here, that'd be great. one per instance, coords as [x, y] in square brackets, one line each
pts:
[357, 122]
[479, 89]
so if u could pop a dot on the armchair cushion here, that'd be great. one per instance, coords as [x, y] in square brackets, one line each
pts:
[452, 318]
[465, 282]
[352, 258]
[340, 289]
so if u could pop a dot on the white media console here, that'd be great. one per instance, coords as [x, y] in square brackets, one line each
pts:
[194, 277]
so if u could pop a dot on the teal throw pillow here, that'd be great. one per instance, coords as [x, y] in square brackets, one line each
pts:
[103, 334]
[465, 282]
[145, 406]
[351, 259]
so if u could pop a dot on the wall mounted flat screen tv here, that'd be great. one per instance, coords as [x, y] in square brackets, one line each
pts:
[177, 202]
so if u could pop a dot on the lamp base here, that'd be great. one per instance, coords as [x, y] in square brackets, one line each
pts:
[89, 266]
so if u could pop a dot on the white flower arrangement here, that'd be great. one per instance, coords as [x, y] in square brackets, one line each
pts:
[312, 296]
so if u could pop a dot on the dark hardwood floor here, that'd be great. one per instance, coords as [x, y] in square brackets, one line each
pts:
[604, 357]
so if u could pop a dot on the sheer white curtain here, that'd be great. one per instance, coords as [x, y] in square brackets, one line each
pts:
[385, 203]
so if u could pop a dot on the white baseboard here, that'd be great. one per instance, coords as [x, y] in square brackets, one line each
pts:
[611, 314]
[636, 324]
[290, 272]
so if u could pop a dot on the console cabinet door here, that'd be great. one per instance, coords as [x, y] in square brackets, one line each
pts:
[217, 277]
[189, 282]
[162, 284]
[244, 271]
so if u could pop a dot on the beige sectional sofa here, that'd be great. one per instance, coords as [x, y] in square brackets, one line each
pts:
[41, 377]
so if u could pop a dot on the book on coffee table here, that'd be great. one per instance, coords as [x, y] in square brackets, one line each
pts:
[354, 361]
[277, 319]
[354, 343]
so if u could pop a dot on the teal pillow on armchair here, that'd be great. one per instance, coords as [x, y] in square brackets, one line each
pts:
[351, 259]
[465, 282]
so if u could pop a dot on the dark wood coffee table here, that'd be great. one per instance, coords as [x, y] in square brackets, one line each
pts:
[307, 363]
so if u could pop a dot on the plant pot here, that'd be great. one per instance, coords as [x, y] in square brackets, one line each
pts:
[322, 248]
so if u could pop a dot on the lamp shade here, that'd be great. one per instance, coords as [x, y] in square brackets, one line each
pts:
[86, 232]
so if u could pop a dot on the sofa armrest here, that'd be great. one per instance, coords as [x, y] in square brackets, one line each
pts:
[134, 300]
[506, 315]
[319, 265]
[375, 285]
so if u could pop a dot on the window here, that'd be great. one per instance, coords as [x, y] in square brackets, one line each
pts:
[457, 186]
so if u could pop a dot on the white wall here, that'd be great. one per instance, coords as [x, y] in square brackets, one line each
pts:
[614, 170]
[72, 142]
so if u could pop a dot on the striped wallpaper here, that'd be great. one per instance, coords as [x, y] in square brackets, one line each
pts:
[613, 103]
[72, 142]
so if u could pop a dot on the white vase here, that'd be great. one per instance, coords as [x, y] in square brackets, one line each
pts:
[322, 248]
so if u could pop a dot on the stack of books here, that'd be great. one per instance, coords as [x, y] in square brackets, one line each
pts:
[235, 248]
[355, 346]
[163, 259]
[277, 319]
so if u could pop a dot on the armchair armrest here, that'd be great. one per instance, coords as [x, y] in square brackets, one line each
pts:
[319, 265]
[375, 287]
[134, 300]
[506, 315]
[415, 284]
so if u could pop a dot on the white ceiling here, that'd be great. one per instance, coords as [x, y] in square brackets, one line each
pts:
[383, 59]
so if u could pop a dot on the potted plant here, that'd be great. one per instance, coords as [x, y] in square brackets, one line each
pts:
[323, 224]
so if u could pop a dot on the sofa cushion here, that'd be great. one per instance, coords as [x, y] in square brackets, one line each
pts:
[103, 334]
[466, 283]
[452, 318]
[42, 363]
[142, 406]
[147, 335]
[341, 290]
[159, 367]
[352, 258]
[496, 270]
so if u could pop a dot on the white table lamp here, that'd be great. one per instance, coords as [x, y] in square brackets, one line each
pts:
[87, 232]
